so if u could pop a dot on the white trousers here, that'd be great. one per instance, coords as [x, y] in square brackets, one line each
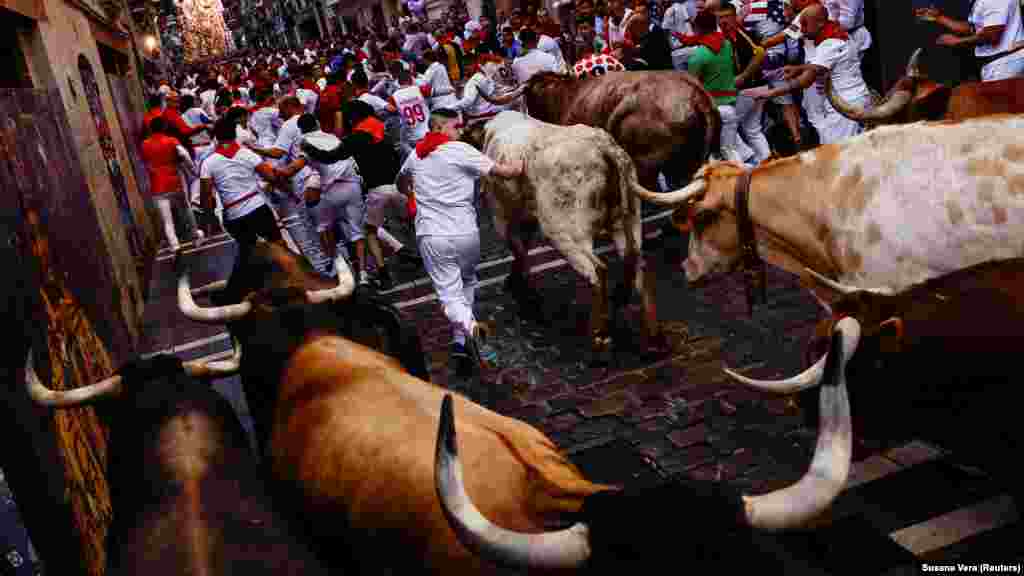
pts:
[744, 118]
[833, 127]
[164, 206]
[451, 262]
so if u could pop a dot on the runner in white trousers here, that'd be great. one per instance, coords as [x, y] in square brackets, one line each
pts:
[442, 173]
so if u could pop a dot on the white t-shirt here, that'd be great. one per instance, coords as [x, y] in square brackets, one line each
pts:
[308, 98]
[444, 184]
[236, 181]
[415, 113]
[617, 32]
[344, 170]
[997, 13]
[677, 19]
[193, 117]
[289, 139]
[379, 105]
[471, 103]
[549, 45]
[437, 77]
[840, 57]
[265, 123]
[532, 62]
[206, 100]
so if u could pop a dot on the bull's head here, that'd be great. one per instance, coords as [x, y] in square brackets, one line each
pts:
[272, 276]
[605, 516]
[113, 387]
[913, 97]
[710, 217]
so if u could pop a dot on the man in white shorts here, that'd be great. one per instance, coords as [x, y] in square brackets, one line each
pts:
[333, 194]
[378, 166]
[442, 173]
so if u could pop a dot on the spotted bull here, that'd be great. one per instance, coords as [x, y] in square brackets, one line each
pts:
[914, 97]
[937, 361]
[185, 487]
[577, 183]
[354, 433]
[883, 210]
[665, 121]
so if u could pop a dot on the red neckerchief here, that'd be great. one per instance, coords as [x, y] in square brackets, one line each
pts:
[430, 142]
[712, 41]
[359, 92]
[831, 29]
[372, 126]
[228, 149]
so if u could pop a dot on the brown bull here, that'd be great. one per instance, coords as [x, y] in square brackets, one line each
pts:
[914, 97]
[664, 120]
[355, 435]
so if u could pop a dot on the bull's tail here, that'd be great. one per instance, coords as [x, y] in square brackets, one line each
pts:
[631, 189]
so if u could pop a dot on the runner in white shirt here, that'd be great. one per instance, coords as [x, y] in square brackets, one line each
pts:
[411, 103]
[285, 147]
[265, 121]
[834, 53]
[532, 60]
[994, 29]
[333, 194]
[442, 93]
[236, 173]
[442, 174]
[850, 16]
[473, 106]
[677, 21]
[614, 25]
[194, 116]
[309, 98]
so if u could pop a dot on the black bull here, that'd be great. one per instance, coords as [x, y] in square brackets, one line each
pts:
[187, 493]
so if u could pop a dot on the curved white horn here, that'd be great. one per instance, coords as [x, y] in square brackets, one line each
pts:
[891, 106]
[346, 284]
[675, 197]
[44, 396]
[845, 288]
[502, 99]
[217, 368]
[913, 66]
[217, 286]
[830, 467]
[212, 315]
[562, 549]
[807, 379]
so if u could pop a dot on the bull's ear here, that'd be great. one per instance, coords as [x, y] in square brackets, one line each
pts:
[890, 335]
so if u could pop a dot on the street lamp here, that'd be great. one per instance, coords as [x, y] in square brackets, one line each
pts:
[150, 43]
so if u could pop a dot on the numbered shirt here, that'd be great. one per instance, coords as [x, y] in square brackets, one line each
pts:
[411, 103]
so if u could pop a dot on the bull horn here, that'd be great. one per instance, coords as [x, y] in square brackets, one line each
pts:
[346, 284]
[563, 549]
[807, 379]
[506, 98]
[893, 105]
[217, 286]
[846, 289]
[814, 493]
[40, 394]
[211, 315]
[216, 369]
[675, 197]
[914, 65]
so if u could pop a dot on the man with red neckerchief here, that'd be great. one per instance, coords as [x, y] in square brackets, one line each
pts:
[237, 174]
[442, 173]
[835, 54]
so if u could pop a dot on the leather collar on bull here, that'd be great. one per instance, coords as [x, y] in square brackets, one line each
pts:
[750, 263]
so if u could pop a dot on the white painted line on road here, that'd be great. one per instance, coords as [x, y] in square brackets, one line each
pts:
[426, 281]
[950, 528]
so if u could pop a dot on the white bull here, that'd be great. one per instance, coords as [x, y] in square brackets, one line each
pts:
[577, 183]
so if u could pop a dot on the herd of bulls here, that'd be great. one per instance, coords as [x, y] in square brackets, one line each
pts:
[368, 468]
